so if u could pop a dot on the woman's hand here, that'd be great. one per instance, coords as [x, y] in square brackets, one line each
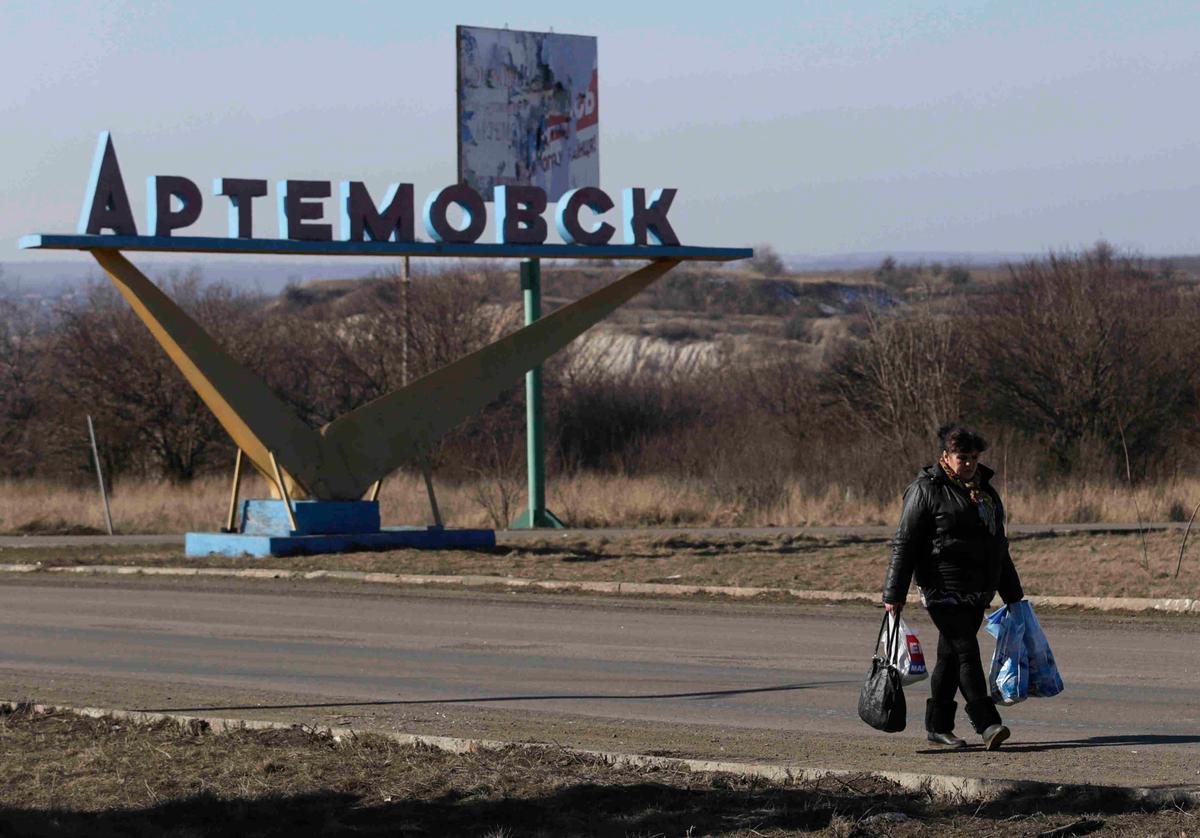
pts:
[893, 607]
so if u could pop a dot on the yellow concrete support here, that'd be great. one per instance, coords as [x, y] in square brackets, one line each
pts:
[254, 417]
[347, 456]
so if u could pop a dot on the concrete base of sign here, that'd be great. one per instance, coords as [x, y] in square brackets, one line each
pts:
[391, 538]
[324, 527]
[532, 519]
[313, 517]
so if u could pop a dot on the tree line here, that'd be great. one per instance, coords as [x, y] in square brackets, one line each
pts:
[1077, 366]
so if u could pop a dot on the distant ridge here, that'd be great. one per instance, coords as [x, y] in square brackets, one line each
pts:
[862, 261]
[53, 277]
[987, 259]
[272, 275]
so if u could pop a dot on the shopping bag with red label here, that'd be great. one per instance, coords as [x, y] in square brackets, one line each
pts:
[910, 660]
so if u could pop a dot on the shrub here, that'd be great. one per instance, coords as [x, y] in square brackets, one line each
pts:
[958, 275]
[766, 261]
[798, 327]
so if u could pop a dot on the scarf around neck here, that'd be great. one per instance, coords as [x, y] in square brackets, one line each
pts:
[984, 505]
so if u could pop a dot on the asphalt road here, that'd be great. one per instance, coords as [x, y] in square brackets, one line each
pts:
[775, 682]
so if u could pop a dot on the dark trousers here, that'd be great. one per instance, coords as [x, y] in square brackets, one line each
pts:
[958, 663]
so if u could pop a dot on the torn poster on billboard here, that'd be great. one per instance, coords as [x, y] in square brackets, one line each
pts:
[528, 110]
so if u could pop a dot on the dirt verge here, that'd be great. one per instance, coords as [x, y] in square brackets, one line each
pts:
[65, 774]
[1070, 564]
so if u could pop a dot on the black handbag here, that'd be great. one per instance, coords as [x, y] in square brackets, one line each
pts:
[881, 702]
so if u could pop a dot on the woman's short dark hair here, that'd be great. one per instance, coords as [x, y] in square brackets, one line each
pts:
[959, 439]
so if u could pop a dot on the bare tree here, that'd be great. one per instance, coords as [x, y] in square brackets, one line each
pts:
[148, 417]
[20, 358]
[904, 378]
[1090, 345]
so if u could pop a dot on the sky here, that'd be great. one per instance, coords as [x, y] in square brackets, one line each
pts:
[818, 128]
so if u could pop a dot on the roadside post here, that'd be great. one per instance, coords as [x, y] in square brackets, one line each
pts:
[100, 475]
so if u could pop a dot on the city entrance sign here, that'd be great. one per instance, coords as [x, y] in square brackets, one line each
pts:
[174, 203]
[326, 480]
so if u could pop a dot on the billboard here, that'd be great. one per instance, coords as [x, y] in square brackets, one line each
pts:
[528, 110]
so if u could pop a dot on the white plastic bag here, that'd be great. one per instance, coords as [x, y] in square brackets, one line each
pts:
[910, 659]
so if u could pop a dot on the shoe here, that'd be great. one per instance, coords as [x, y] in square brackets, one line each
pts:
[947, 739]
[939, 723]
[994, 736]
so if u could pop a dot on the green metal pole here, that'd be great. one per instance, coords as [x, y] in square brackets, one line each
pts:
[536, 515]
[531, 285]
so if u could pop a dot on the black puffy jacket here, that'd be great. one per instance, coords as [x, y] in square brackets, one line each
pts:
[942, 539]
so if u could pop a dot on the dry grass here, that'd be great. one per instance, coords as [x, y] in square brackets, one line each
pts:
[42, 507]
[67, 775]
[1077, 565]
[582, 500]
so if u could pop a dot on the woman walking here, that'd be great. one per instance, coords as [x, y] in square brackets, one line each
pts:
[951, 536]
